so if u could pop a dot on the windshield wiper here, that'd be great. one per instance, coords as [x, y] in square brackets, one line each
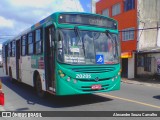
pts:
[79, 38]
[114, 41]
[110, 36]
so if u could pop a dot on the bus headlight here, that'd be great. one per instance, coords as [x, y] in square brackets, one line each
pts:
[61, 74]
[119, 73]
[75, 81]
[114, 78]
[68, 79]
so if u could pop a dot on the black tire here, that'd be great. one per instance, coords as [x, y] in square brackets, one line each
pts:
[38, 86]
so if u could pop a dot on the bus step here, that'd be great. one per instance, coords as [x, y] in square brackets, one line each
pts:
[52, 89]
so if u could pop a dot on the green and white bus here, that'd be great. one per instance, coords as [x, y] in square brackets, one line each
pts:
[67, 53]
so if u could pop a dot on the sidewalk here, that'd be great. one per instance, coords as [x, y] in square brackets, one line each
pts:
[2, 108]
[142, 81]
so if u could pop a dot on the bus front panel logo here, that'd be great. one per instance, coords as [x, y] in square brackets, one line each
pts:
[96, 79]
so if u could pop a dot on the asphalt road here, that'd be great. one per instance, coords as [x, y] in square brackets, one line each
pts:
[131, 97]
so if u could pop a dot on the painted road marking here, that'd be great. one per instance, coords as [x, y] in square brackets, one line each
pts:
[129, 100]
[141, 83]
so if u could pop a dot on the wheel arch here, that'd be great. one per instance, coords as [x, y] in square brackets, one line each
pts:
[10, 71]
[34, 77]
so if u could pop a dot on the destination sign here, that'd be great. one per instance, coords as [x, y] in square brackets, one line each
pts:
[85, 19]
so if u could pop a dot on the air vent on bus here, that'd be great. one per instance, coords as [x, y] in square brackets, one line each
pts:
[94, 69]
[93, 80]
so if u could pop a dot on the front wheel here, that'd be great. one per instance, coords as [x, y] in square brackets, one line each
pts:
[38, 87]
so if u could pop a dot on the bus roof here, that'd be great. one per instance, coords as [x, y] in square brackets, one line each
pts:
[53, 17]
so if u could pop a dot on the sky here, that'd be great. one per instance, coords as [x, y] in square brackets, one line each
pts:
[18, 15]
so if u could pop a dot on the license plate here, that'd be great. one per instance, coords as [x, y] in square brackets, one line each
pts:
[96, 87]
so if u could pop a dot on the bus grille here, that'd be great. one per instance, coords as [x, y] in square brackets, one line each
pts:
[94, 69]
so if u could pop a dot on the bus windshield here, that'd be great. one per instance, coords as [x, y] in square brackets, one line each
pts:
[87, 47]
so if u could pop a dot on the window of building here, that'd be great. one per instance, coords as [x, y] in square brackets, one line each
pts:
[38, 41]
[13, 48]
[116, 9]
[129, 5]
[24, 39]
[140, 61]
[128, 34]
[147, 64]
[105, 12]
[30, 43]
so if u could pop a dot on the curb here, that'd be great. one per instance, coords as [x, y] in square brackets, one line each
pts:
[140, 83]
[2, 108]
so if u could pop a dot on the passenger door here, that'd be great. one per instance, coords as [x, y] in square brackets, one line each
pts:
[5, 59]
[49, 57]
[18, 59]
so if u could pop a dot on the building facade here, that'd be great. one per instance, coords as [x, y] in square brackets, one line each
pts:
[0, 55]
[125, 12]
[139, 22]
[148, 55]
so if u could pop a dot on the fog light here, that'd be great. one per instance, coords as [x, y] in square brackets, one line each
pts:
[61, 74]
[112, 79]
[60, 71]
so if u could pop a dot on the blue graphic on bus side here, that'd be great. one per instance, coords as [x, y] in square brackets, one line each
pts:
[99, 59]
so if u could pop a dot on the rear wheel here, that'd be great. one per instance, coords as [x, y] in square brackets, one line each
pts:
[38, 87]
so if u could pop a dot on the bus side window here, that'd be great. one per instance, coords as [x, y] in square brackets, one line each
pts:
[30, 45]
[52, 37]
[9, 49]
[23, 45]
[59, 42]
[13, 48]
[38, 41]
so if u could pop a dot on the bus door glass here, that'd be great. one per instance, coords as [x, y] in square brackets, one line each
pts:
[18, 59]
[49, 58]
[6, 56]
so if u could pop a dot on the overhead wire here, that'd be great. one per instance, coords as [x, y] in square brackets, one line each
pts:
[151, 28]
